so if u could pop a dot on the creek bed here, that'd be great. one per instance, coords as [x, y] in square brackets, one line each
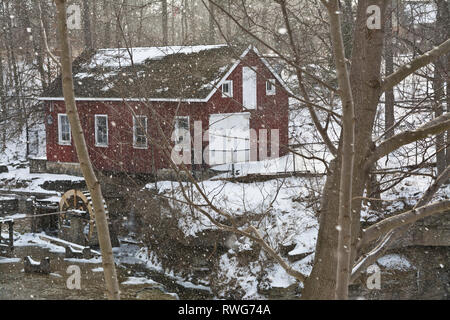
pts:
[143, 283]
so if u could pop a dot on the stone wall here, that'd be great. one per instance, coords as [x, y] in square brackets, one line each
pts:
[45, 166]
[431, 231]
[64, 168]
[428, 278]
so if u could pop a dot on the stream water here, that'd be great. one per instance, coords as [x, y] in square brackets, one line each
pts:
[145, 284]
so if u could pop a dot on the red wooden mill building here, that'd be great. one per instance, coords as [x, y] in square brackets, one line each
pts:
[126, 96]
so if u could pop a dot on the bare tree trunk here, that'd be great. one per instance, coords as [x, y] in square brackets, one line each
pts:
[438, 84]
[107, 37]
[389, 118]
[211, 32]
[165, 23]
[2, 105]
[140, 25]
[172, 24]
[83, 156]
[184, 23]
[344, 225]
[445, 18]
[347, 28]
[118, 15]
[87, 25]
[367, 46]
[228, 21]
[94, 24]
[448, 105]
[37, 42]
[44, 14]
[16, 75]
[190, 31]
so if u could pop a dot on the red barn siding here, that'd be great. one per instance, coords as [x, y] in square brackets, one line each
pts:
[120, 155]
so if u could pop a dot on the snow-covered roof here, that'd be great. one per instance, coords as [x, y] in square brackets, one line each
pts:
[122, 57]
[187, 73]
[156, 73]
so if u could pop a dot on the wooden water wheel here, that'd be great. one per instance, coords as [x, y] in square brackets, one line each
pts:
[80, 206]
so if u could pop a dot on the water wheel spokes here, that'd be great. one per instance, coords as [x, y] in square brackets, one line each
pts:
[75, 203]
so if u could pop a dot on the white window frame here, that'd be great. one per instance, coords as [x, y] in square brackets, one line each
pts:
[97, 143]
[60, 133]
[177, 134]
[134, 133]
[273, 91]
[230, 86]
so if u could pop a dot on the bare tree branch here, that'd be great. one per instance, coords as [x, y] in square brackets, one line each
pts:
[405, 218]
[404, 71]
[383, 245]
[44, 38]
[433, 127]
[323, 133]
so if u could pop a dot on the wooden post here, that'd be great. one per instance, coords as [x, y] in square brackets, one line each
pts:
[293, 162]
[11, 234]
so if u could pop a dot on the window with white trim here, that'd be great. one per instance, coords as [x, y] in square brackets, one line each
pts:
[227, 89]
[140, 132]
[101, 130]
[270, 87]
[64, 137]
[181, 128]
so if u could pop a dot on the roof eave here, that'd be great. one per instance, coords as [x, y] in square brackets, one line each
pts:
[125, 99]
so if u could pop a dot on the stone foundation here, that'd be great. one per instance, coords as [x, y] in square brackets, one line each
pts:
[72, 168]
[45, 166]
[64, 168]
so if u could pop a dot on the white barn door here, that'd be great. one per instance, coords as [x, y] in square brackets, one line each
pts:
[229, 138]
[249, 94]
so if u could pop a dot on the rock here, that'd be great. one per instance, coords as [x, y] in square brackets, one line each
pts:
[285, 249]
[428, 279]
[86, 253]
[3, 169]
[63, 185]
[278, 293]
[31, 266]
[155, 293]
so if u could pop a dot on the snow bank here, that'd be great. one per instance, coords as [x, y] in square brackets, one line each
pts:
[9, 260]
[34, 181]
[139, 281]
[395, 262]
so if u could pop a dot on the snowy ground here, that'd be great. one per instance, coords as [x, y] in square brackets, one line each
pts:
[282, 221]
[33, 181]
[283, 209]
